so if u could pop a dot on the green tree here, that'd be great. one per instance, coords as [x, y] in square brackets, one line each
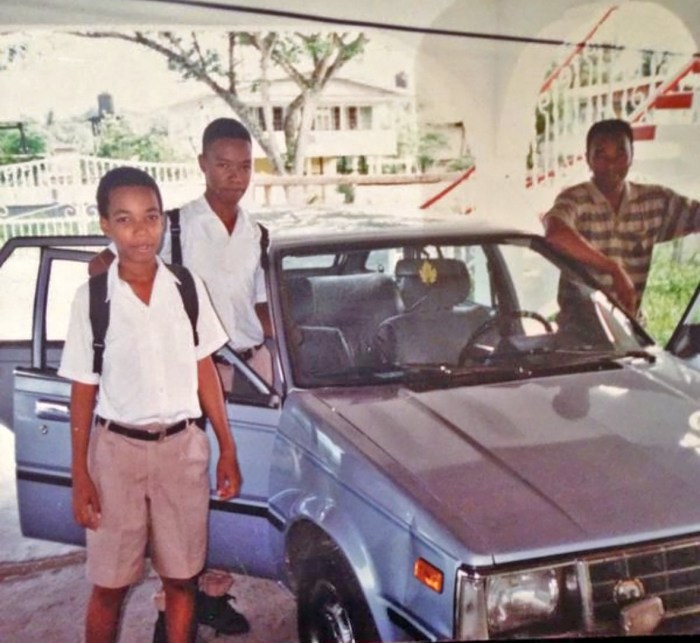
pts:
[14, 147]
[310, 60]
[429, 144]
[117, 140]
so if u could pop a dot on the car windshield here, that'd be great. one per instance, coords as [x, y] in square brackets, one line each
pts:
[446, 313]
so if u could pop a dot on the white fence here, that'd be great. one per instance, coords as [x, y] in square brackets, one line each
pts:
[647, 88]
[56, 196]
[72, 178]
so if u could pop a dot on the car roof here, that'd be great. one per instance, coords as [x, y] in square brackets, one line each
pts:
[292, 229]
[329, 226]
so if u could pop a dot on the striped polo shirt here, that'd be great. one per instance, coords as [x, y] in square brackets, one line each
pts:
[648, 214]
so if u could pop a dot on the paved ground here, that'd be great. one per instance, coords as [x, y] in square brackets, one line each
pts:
[43, 588]
[48, 605]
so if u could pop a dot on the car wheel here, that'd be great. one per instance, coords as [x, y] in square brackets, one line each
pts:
[330, 605]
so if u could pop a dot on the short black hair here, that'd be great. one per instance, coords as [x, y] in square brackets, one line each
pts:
[609, 127]
[224, 128]
[123, 176]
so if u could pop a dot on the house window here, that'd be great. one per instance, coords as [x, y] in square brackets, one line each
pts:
[365, 118]
[328, 118]
[278, 118]
[322, 121]
[352, 118]
[336, 118]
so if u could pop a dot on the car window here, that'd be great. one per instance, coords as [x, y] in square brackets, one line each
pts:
[453, 307]
[383, 260]
[536, 282]
[685, 341]
[314, 261]
[17, 284]
[65, 278]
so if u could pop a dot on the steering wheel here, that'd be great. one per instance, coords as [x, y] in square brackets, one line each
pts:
[497, 321]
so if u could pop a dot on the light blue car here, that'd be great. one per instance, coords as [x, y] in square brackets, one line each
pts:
[466, 438]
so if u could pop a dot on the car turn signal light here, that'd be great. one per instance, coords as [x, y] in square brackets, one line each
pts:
[429, 575]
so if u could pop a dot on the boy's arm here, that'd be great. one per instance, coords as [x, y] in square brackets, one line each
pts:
[211, 397]
[86, 502]
[262, 310]
[566, 239]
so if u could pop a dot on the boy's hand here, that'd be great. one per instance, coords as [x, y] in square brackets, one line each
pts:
[624, 288]
[228, 476]
[86, 502]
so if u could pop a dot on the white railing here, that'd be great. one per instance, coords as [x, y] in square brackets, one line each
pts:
[72, 178]
[79, 215]
[55, 220]
[594, 83]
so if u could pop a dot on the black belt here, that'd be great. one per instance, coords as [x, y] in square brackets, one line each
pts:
[142, 434]
[247, 353]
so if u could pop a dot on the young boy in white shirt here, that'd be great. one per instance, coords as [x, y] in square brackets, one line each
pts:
[140, 477]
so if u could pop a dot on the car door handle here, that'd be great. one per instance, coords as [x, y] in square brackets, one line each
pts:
[52, 410]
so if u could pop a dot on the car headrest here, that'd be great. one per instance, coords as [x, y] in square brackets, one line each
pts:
[432, 283]
[300, 299]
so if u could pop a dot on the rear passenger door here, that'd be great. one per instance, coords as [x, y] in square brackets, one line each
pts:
[48, 273]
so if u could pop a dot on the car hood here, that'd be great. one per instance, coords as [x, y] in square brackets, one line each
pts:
[546, 465]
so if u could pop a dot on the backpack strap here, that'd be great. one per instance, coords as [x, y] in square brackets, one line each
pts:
[175, 243]
[264, 244]
[188, 292]
[99, 318]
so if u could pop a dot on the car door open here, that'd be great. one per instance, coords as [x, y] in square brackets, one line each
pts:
[41, 403]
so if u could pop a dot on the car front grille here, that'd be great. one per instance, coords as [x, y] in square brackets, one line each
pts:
[670, 571]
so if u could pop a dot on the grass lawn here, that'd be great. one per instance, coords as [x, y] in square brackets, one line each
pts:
[670, 286]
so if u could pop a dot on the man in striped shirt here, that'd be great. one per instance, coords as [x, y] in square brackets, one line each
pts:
[611, 224]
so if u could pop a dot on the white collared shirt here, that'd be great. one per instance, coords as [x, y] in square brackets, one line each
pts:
[149, 371]
[229, 265]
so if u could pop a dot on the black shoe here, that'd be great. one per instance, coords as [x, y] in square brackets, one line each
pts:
[159, 633]
[216, 612]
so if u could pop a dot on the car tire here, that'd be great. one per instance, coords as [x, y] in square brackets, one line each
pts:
[330, 605]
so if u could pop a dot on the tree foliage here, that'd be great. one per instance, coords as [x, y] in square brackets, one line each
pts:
[218, 61]
[117, 140]
[15, 148]
[429, 145]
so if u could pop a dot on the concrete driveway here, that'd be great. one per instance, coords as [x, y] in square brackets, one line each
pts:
[43, 590]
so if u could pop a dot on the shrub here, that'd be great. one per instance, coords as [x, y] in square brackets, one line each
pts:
[669, 289]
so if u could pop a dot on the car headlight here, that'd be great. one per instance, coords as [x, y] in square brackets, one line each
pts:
[492, 605]
[518, 599]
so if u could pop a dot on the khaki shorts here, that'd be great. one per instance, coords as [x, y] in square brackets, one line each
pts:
[151, 493]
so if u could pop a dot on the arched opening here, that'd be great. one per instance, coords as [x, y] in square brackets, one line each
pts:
[633, 61]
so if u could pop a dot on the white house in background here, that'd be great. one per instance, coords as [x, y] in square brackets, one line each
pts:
[353, 120]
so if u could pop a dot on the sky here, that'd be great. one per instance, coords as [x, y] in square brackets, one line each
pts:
[65, 73]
